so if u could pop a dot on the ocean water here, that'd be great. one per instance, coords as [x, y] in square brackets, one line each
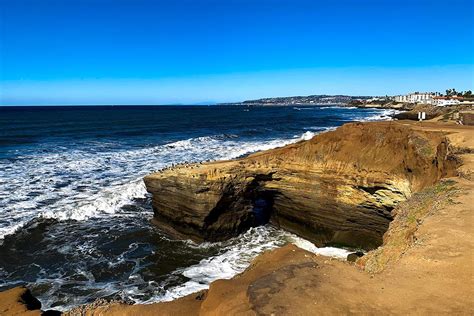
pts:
[74, 212]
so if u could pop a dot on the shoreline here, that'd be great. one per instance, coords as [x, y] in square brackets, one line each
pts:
[401, 106]
[180, 303]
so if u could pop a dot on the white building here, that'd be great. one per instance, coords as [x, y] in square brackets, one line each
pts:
[446, 101]
[416, 97]
[401, 98]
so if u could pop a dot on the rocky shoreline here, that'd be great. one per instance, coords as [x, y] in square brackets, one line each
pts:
[336, 189]
[364, 185]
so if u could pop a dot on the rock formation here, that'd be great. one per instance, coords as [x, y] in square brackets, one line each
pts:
[19, 301]
[337, 188]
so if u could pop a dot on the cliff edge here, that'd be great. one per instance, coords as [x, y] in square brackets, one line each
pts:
[337, 188]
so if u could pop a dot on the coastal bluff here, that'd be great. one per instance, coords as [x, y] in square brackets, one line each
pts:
[338, 188]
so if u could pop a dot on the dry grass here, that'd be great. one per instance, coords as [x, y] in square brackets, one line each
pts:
[409, 214]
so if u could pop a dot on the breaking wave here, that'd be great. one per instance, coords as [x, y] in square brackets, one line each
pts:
[83, 183]
[384, 115]
[236, 255]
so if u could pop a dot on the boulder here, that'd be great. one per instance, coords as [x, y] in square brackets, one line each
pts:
[19, 301]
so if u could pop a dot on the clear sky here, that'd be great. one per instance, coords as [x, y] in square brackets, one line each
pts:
[185, 51]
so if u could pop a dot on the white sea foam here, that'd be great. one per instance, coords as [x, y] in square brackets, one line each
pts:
[336, 107]
[333, 252]
[81, 184]
[236, 255]
[304, 108]
[385, 115]
[307, 135]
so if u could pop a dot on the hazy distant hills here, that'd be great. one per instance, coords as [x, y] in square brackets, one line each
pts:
[310, 99]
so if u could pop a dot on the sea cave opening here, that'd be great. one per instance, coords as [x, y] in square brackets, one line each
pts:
[262, 208]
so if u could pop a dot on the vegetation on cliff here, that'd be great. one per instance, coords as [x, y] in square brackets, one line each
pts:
[408, 216]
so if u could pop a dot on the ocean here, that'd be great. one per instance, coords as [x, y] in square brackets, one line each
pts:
[74, 212]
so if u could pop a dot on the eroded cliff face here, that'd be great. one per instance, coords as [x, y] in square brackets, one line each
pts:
[337, 188]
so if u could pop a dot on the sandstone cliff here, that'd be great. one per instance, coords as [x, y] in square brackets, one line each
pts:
[337, 188]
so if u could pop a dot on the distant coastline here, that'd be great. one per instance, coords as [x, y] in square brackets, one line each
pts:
[322, 99]
[408, 102]
[376, 102]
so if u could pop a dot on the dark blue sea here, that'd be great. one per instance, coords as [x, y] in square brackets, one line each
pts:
[75, 215]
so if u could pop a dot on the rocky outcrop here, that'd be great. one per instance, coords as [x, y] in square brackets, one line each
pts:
[383, 105]
[19, 301]
[337, 188]
[441, 112]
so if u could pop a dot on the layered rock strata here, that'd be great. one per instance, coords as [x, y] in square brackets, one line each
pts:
[337, 188]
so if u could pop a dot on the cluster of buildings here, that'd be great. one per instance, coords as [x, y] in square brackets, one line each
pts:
[433, 98]
[446, 101]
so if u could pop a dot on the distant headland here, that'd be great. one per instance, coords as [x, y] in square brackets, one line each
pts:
[303, 100]
[404, 102]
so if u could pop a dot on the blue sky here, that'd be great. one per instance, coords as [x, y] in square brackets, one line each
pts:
[184, 51]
